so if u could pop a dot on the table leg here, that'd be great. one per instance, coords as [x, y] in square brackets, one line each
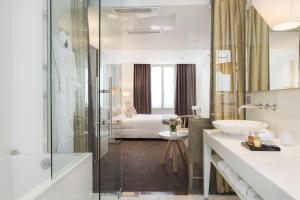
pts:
[165, 152]
[184, 152]
[171, 150]
[207, 165]
[181, 152]
[174, 155]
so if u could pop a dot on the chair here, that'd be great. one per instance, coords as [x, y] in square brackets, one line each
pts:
[195, 148]
[184, 121]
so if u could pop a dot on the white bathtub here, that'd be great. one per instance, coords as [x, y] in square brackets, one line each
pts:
[22, 177]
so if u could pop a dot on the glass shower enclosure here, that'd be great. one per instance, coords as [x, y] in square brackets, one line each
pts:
[85, 90]
[58, 90]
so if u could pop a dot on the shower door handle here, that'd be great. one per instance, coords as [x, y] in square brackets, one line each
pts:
[110, 107]
[107, 122]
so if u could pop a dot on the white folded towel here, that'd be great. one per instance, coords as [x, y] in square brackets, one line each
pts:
[242, 187]
[252, 195]
[236, 178]
[230, 174]
[222, 165]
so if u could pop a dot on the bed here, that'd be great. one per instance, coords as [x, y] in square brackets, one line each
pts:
[141, 125]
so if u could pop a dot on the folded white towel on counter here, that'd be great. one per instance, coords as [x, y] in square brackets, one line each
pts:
[252, 195]
[242, 187]
[222, 165]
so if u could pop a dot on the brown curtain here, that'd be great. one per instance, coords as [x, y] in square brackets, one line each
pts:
[257, 51]
[142, 88]
[227, 64]
[185, 94]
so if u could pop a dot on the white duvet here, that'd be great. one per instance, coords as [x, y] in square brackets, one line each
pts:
[142, 121]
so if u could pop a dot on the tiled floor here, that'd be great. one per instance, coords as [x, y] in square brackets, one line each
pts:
[170, 197]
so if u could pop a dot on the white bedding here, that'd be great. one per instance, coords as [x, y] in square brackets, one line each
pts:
[145, 121]
[142, 126]
[138, 133]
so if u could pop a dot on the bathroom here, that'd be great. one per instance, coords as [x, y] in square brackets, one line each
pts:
[60, 69]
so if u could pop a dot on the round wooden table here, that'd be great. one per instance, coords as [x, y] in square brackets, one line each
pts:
[175, 143]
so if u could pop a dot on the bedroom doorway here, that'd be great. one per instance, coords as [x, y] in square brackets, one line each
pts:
[149, 49]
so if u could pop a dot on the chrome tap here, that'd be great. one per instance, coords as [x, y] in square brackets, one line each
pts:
[259, 106]
[272, 107]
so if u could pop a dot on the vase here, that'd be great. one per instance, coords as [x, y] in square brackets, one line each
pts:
[173, 131]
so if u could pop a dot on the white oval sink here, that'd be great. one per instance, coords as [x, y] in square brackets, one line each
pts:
[239, 126]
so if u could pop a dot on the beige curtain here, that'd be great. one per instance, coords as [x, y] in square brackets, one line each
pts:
[257, 51]
[227, 64]
[80, 47]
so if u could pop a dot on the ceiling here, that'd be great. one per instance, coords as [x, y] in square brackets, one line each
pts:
[185, 27]
[125, 3]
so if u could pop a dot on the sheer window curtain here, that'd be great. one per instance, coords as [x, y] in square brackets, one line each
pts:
[142, 88]
[227, 64]
[257, 52]
[228, 59]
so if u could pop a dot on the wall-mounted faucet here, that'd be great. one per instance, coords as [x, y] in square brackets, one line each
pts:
[14, 152]
[271, 107]
[248, 106]
[259, 106]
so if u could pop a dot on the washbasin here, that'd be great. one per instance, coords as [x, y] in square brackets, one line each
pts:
[239, 126]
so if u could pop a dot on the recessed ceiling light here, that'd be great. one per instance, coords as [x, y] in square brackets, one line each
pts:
[112, 16]
[168, 28]
[142, 32]
[155, 28]
[161, 28]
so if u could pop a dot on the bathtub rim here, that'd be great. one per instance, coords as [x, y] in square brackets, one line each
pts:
[47, 183]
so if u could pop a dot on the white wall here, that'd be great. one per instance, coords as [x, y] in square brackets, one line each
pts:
[203, 83]
[285, 118]
[5, 76]
[21, 76]
[127, 82]
[199, 57]
[27, 123]
[284, 60]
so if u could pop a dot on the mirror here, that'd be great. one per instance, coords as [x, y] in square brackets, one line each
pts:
[272, 60]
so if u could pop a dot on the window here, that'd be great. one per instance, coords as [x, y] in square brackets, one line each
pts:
[162, 86]
[223, 82]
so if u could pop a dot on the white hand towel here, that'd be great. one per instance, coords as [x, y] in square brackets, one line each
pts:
[242, 187]
[236, 178]
[222, 165]
[230, 174]
[252, 195]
